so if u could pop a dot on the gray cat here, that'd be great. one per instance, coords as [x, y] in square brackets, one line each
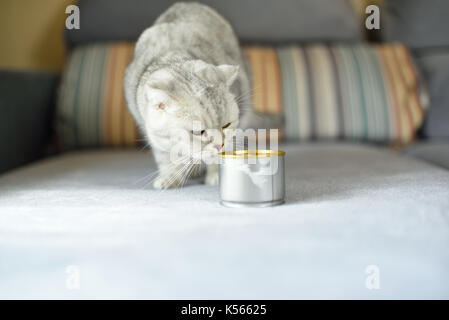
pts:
[187, 68]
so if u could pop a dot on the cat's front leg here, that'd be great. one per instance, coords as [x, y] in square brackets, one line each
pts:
[168, 179]
[170, 175]
[212, 175]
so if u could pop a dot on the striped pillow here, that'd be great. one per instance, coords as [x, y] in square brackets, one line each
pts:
[363, 92]
[91, 110]
[342, 91]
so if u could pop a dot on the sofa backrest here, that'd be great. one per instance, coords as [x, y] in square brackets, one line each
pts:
[253, 20]
[416, 23]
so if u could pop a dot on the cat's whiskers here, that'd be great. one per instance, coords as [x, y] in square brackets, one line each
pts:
[153, 175]
[250, 92]
[179, 173]
[242, 97]
[187, 174]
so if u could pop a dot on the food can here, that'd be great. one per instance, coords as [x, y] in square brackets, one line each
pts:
[252, 178]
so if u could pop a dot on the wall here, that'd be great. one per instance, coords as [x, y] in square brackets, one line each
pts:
[31, 34]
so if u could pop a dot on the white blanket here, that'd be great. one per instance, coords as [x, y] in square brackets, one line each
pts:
[358, 222]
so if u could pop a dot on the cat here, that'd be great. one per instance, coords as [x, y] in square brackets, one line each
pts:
[187, 68]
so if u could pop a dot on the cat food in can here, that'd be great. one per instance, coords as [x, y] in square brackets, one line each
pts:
[252, 178]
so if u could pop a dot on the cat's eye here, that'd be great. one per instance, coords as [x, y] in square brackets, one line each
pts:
[198, 133]
[226, 125]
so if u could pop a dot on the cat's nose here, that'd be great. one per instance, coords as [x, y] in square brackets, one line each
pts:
[219, 147]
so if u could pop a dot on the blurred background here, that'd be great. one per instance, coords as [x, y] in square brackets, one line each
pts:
[32, 56]
[39, 58]
[32, 34]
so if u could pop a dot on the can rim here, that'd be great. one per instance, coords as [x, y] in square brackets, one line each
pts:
[239, 154]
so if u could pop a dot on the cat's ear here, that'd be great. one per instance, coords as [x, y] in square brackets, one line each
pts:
[230, 72]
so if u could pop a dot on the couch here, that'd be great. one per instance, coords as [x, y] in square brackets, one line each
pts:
[354, 209]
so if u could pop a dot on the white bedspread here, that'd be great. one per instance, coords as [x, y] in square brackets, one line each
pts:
[86, 219]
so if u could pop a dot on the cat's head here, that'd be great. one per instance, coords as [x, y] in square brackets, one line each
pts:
[187, 105]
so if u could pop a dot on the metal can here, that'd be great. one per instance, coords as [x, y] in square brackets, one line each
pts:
[252, 178]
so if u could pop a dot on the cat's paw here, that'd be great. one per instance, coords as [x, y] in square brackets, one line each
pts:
[166, 182]
[195, 172]
[211, 178]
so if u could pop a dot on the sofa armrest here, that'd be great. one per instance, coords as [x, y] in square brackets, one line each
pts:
[26, 111]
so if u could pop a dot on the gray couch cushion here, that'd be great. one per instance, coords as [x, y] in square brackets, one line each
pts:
[417, 23]
[347, 207]
[253, 20]
[434, 65]
[436, 152]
